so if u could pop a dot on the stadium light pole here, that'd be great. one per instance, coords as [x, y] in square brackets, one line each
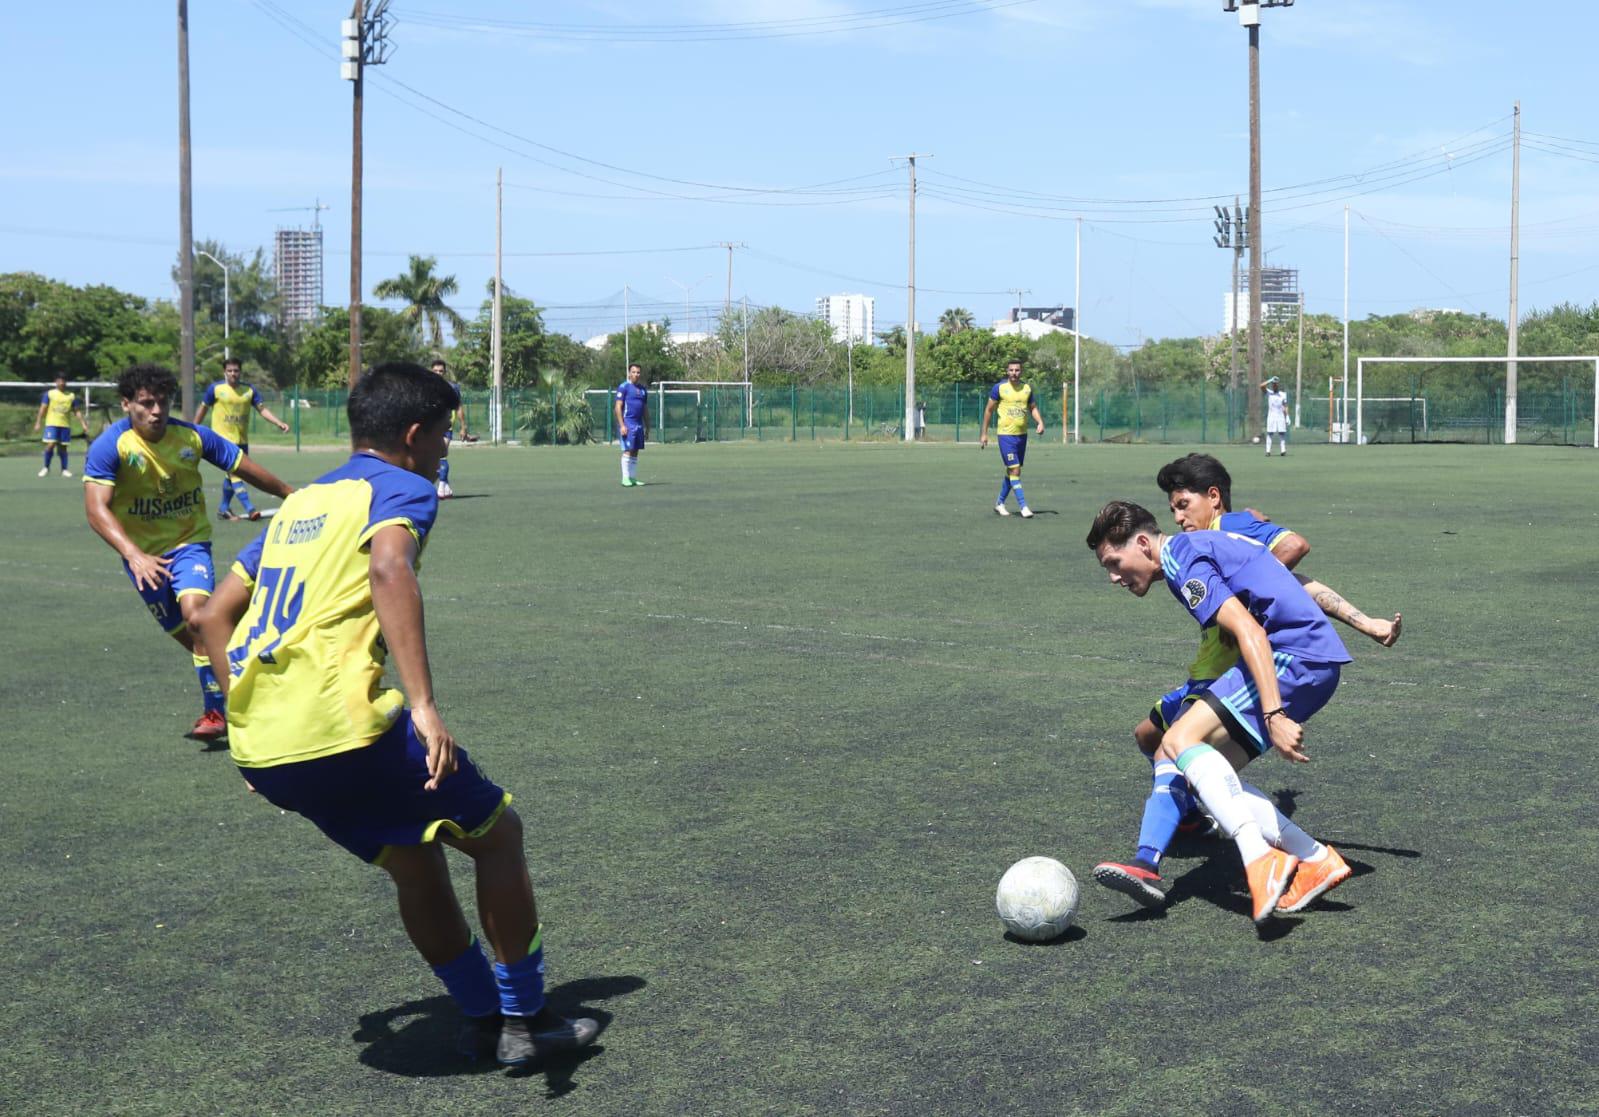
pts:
[910, 307]
[226, 299]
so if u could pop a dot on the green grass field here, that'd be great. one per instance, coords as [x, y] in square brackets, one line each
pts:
[777, 722]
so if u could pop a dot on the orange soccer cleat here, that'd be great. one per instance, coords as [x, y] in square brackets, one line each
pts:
[211, 728]
[1268, 878]
[1314, 878]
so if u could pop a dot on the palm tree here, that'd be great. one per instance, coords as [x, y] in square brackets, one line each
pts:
[424, 294]
[955, 319]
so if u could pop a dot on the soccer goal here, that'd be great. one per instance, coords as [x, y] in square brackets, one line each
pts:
[675, 418]
[19, 406]
[1468, 399]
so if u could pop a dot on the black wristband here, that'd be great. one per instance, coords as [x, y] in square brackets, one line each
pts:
[1271, 713]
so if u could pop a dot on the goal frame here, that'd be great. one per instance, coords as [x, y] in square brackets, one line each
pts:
[1510, 410]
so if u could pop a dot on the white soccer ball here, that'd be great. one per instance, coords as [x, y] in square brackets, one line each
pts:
[1037, 899]
[1256, 440]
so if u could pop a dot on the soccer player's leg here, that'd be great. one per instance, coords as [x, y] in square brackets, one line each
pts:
[191, 580]
[241, 490]
[442, 486]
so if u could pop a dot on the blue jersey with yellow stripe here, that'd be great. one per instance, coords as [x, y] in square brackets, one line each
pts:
[157, 495]
[307, 658]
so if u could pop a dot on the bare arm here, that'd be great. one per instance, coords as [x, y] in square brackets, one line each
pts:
[148, 570]
[397, 598]
[38, 420]
[1038, 418]
[218, 618]
[1339, 608]
[266, 413]
[200, 413]
[260, 478]
[1255, 650]
[1291, 549]
[83, 420]
[460, 413]
[988, 413]
[621, 427]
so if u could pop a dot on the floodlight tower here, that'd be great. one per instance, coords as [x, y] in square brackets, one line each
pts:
[1249, 17]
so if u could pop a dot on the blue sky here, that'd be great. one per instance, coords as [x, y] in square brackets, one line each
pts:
[1034, 112]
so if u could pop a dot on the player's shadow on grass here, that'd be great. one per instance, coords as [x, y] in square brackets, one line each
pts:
[417, 1039]
[1073, 934]
[471, 496]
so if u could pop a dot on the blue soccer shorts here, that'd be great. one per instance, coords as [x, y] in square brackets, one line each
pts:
[190, 571]
[57, 434]
[1013, 449]
[1173, 703]
[633, 440]
[1305, 688]
[371, 798]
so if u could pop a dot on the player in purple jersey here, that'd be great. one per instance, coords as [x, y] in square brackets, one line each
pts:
[1290, 664]
[632, 409]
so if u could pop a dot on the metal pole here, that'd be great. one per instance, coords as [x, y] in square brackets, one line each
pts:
[749, 391]
[497, 420]
[1515, 278]
[1299, 361]
[627, 341]
[1238, 249]
[185, 220]
[849, 405]
[359, 15]
[1077, 343]
[1257, 338]
[910, 317]
[1346, 323]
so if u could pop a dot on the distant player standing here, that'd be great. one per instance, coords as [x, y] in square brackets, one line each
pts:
[442, 487]
[632, 422]
[57, 406]
[233, 401]
[144, 496]
[1014, 401]
[306, 620]
[1276, 415]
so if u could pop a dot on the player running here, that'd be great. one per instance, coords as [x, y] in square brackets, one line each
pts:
[144, 496]
[306, 620]
[233, 401]
[57, 408]
[1199, 490]
[442, 487]
[1015, 401]
[1276, 415]
[1291, 660]
[632, 410]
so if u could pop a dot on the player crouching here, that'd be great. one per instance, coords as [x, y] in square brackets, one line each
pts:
[305, 619]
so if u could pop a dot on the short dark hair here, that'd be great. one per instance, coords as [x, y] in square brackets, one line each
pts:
[1196, 473]
[389, 398]
[438, 362]
[234, 361]
[631, 365]
[155, 379]
[1013, 361]
[1118, 522]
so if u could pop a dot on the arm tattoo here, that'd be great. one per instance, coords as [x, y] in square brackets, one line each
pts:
[1335, 606]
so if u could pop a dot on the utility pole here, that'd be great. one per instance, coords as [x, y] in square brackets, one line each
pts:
[910, 307]
[627, 340]
[1515, 278]
[496, 417]
[1077, 342]
[1299, 361]
[1346, 325]
[727, 300]
[185, 220]
[1018, 292]
[365, 44]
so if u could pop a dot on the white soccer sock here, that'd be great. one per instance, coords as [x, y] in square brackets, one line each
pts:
[624, 467]
[1218, 787]
[1276, 828]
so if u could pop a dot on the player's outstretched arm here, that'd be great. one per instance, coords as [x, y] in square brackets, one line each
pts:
[266, 413]
[397, 599]
[218, 617]
[1255, 650]
[260, 477]
[1336, 606]
[148, 571]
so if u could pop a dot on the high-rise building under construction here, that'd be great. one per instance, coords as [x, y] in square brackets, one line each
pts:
[297, 257]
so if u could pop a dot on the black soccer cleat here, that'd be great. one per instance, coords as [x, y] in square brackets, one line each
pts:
[524, 1039]
[477, 1037]
[1142, 884]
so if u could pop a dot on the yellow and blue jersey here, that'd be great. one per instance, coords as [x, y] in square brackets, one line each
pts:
[157, 495]
[307, 658]
[59, 406]
[230, 409]
[1216, 653]
[1014, 405]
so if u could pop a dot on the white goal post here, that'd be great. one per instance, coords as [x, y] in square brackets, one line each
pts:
[1510, 409]
[746, 386]
[661, 392]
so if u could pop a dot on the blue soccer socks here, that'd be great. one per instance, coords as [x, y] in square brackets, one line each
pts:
[470, 982]
[1021, 499]
[225, 508]
[242, 491]
[1169, 799]
[444, 471]
[210, 691]
[1004, 490]
[521, 984]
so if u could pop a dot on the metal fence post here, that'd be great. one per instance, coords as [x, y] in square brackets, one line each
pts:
[793, 411]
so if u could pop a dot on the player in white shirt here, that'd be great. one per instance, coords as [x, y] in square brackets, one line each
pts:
[1276, 415]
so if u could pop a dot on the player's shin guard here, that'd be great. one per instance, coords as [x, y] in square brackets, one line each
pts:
[227, 495]
[49, 451]
[1004, 491]
[242, 491]
[521, 984]
[470, 982]
[1168, 801]
[444, 471]
[1218, 787]
[1021, 498]
[210, 691]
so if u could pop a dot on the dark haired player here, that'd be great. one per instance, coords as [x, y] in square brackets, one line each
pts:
[1014, 401]
[632, 410]
[1290, 664]
[233, 401]
[307, 619]
[57, 407]
[144, 496]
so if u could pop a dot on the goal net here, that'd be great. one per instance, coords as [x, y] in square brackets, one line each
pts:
[1468, 399]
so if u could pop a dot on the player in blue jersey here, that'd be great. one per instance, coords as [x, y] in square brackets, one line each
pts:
[306, 621]
[442, 486]
[1014, 401]
[1290, 664]
[632, 410]
[57, 408]
[143, 495]
[1198, 489]
[230, 402]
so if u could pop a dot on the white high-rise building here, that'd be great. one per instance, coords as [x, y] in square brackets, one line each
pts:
[1279, 298]
[298, 258]
[850, 316]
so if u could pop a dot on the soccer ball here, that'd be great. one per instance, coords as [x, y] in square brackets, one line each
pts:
[1256, 440]
[1037, 899]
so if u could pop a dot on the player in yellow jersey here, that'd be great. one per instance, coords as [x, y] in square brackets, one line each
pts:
[1014, 401]
[233, 400]
[144, 497]
[57, 406]
[307, 619]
